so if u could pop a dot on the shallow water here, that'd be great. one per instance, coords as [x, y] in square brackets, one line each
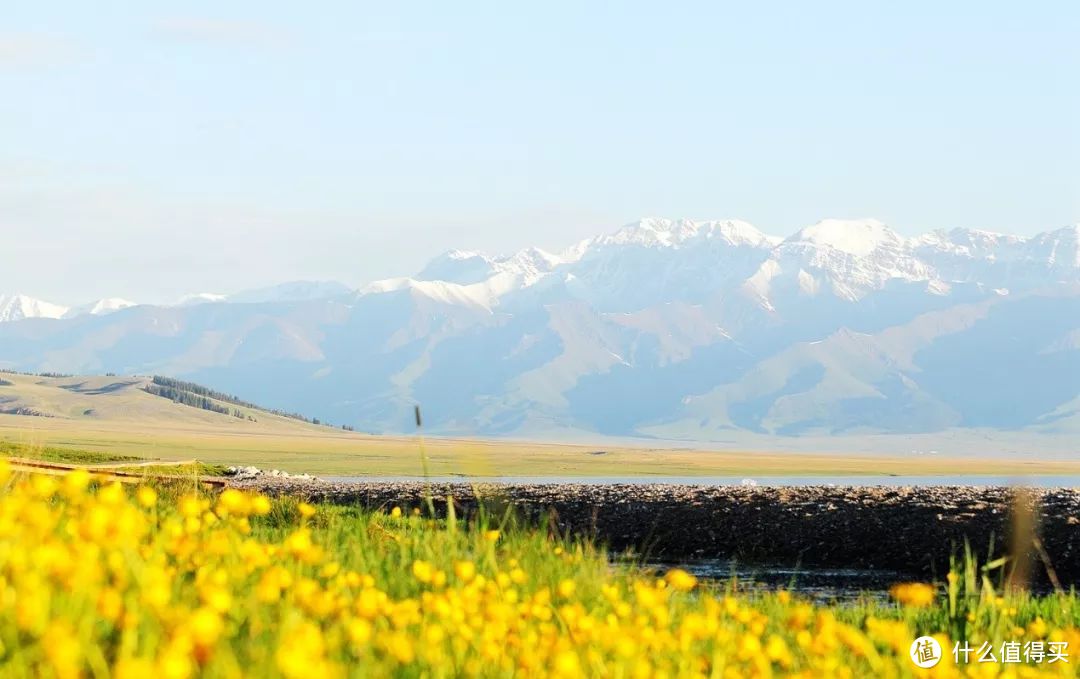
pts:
[819, 584]
[1041, 481]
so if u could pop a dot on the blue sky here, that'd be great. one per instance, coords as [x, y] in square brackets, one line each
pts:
[148, 150]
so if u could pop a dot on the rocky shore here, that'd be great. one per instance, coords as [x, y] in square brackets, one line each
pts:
[911, 530]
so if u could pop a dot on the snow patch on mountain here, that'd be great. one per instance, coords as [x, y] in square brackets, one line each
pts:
[854, 258]
[1060, 249]
[859, 237]
[100, 307]
[477, 295]
[467, 268]
[761, 282]
[463, 267]
[201, 298]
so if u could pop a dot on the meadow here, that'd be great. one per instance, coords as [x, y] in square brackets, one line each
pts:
[112, 417]
[325, 452]
[102, 580]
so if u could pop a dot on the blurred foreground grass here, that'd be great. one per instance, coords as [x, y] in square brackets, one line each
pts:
[110, 581]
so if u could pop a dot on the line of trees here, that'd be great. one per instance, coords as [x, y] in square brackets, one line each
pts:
[199, 390]
[31, 374]
[190, 399]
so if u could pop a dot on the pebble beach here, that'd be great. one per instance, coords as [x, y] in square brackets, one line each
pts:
[912, 529]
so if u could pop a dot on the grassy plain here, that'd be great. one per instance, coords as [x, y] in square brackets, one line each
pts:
[112, 416]
[328, 452]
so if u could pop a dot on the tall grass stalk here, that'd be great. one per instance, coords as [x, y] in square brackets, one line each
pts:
[424, 461]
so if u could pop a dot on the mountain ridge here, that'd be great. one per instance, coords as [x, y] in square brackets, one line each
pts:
[671, 328]
[825, 245]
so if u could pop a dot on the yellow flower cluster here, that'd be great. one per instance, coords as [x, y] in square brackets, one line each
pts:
[917, 594]
[99, 582]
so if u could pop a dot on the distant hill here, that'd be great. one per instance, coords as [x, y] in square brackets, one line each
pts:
[675, 329]
[150, 400]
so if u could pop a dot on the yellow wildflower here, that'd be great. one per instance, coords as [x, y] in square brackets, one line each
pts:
[465, 570]
[423, 571]
[147, 496]
[914, 594]
[680, 580]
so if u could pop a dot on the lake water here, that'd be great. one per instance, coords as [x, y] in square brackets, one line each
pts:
[820, 584]
[1046, 481]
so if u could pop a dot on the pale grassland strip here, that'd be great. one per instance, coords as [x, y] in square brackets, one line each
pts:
[106, 471]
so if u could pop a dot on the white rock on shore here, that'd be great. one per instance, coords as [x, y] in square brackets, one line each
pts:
[253, 473]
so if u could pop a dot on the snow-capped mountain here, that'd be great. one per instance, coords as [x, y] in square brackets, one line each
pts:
[663, 260]
[17, 306]
[858, 237]
[684, 233]
[100, 307]
[673, 328]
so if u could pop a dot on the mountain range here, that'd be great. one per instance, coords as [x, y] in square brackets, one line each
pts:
[675, 329]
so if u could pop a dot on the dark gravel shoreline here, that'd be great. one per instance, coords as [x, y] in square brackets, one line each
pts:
[911, 530]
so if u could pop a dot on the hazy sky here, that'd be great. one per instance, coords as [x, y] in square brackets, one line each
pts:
[147, 151]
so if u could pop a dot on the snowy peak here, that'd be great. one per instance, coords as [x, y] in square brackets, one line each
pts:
[1055, 254]
[463, 267]
[978, 242]
[859, 237]
[101, 307]
[200, 298]
[18, 306]
[968, 243]
[1060, 249]
[669, 233]
[658, 260]
[851, 258]
[531, 264]
[738, 233]
[476, 295]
